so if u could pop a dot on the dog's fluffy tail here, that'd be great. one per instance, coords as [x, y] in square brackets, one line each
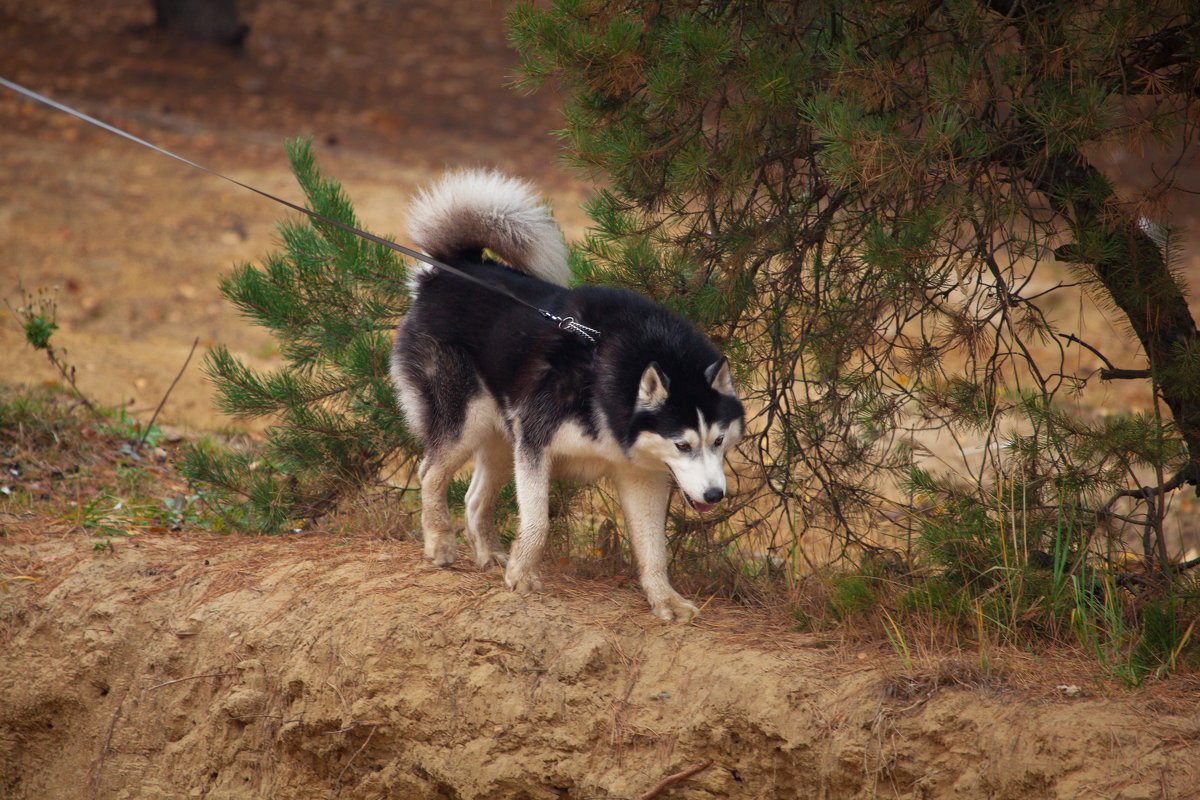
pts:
[466, 211]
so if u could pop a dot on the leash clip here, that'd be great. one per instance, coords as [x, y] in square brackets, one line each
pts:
[570, 325]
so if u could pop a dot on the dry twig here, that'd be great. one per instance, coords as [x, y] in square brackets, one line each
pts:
[170, 389]
[671, 780]
[366, 741]
[98, 766]
[190, 678]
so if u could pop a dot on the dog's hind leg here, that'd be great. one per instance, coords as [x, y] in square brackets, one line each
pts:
[533, 499]
[493, 466]
[644, 497]
[437, 469]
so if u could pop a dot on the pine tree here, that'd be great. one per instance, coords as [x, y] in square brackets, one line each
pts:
[864, 202]
[331, 300]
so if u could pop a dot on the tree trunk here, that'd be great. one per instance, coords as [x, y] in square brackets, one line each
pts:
[205, 20]
[1142, 287]
[1135, 275]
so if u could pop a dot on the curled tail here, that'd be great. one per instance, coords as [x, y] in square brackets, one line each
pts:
[466, 211]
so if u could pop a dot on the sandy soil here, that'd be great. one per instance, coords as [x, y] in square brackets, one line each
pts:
[347, 667]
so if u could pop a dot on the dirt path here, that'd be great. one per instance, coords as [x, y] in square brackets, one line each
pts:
[135, 243]
[331, 667]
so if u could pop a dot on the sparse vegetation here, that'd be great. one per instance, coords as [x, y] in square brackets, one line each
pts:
[37, 313]
[85, 468]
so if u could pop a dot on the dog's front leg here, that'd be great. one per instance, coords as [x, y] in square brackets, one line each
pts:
[533, 501]
[644, 498]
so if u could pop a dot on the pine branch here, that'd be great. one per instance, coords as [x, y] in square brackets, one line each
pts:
[328, 298]
[1124, 374]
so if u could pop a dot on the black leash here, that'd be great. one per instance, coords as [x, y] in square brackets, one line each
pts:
[568, 324]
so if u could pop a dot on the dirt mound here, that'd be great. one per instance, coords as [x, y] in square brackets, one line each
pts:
[320, 666]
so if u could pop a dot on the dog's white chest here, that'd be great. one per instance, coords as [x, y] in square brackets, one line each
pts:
[575, 454]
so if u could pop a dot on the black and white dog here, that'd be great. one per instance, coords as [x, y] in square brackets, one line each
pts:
[478, 374]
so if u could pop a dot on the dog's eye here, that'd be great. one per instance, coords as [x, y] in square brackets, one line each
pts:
[683, 447]
[720, 440]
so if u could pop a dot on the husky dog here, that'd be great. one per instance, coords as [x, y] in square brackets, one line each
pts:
[480, 375]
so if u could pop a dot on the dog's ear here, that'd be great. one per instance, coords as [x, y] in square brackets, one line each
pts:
[652, 391]
[720, 378]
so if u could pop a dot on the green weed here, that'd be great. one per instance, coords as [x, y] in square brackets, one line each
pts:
[851, 596]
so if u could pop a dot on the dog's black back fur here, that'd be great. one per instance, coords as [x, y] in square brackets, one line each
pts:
[545, 374]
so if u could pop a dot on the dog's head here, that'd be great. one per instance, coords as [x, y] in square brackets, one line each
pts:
[687, 422]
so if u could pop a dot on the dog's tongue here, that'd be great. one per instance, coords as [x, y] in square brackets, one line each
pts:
[701, 507]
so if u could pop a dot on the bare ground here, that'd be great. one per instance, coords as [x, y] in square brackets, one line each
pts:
[326, 666]
[392, 94]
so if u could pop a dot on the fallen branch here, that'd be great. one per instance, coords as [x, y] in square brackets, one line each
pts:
[671, 780]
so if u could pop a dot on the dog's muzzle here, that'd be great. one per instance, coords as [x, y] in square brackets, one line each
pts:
[711, 498]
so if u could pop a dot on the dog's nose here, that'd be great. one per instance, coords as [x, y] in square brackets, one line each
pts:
[713, 496]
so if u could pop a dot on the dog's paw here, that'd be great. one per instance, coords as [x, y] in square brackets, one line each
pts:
[521, 581]
[440, 550]
[673, 608]
[493, 557]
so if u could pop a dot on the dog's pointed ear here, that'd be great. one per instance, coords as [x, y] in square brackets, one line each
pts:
[720, 378]
[652, 391]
